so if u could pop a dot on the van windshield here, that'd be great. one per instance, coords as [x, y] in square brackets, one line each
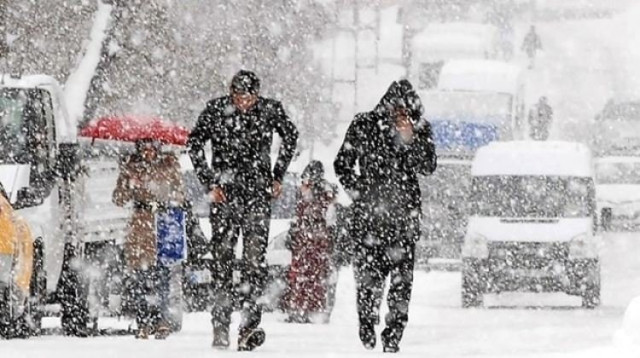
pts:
[475, 107]
[13, 106]
[532, 196]
[25, 136]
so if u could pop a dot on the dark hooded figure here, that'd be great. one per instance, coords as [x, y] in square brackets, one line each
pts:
[241, 185]
[391, 145]
[311, 246]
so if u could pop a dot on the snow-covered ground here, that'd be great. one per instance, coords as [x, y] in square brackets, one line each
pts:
[523, 325]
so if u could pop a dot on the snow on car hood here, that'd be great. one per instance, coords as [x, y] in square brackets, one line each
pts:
[618, 193]
[528, 229]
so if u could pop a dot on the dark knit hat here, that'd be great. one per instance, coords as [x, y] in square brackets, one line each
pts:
[245, 82]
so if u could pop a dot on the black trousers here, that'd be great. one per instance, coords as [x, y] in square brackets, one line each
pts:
[248, 217]
[385, 247]
[143, 283]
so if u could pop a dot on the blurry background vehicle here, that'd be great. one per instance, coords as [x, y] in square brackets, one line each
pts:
[533, 224]
[468, 109]
[618, 193]
[437, 43]
[617, 128]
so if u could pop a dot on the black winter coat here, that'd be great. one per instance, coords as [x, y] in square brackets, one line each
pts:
[388, 168]
[241, 144]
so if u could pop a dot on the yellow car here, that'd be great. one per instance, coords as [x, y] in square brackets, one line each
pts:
[16, 264]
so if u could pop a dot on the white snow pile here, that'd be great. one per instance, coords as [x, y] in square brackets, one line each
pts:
[628, 336]
[77, 85]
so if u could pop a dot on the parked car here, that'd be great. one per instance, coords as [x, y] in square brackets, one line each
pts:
[617, 129]
[618, 192]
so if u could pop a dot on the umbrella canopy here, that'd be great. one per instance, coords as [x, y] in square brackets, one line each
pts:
[134, 128]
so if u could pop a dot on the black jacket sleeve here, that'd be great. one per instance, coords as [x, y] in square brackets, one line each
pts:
[289, 134]
[344, 164]
[199, 136]
[421, 156]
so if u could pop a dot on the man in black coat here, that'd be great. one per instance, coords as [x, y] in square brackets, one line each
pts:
[391, 145]
[241, 185]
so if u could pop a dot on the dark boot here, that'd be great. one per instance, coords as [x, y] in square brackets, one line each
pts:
[368, 335]
[162, 330]
[390, 340]
[250, 338]
[220, 337]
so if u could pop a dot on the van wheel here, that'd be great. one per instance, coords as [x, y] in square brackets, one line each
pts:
[72, 296]
[37, 288]
[472, 295]
[591, 294]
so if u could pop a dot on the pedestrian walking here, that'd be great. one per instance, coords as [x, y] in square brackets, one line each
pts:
[540, 118]
[311, 247]
[241, 185]
[153, 183]
[531, 45]
[391, 145]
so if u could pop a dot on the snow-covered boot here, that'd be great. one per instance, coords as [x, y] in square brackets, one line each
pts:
[368, 335]
[250, 339]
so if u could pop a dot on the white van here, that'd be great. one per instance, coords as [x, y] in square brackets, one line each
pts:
[476, 102]
[439, 43]
[533, 222]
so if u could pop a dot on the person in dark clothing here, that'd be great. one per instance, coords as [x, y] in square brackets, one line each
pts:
[531, 45]
[240, 128]
[391, 145]
[311, 246]
[540, 118]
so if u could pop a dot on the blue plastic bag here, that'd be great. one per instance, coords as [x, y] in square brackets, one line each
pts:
[171, 233]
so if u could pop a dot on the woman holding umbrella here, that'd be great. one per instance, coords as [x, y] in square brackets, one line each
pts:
[152, 181]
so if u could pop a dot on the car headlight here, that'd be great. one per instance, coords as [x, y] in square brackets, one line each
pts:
[475, 246]
[583, 246]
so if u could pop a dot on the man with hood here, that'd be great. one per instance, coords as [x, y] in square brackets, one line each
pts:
[391, 145]
[241, 185]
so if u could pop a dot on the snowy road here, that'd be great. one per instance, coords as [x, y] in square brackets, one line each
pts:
[513, 324]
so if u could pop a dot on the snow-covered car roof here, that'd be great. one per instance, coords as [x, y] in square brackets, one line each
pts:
[549, 158]
[480, 76]
[458, 27]
[29, 81]
[449, 46]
